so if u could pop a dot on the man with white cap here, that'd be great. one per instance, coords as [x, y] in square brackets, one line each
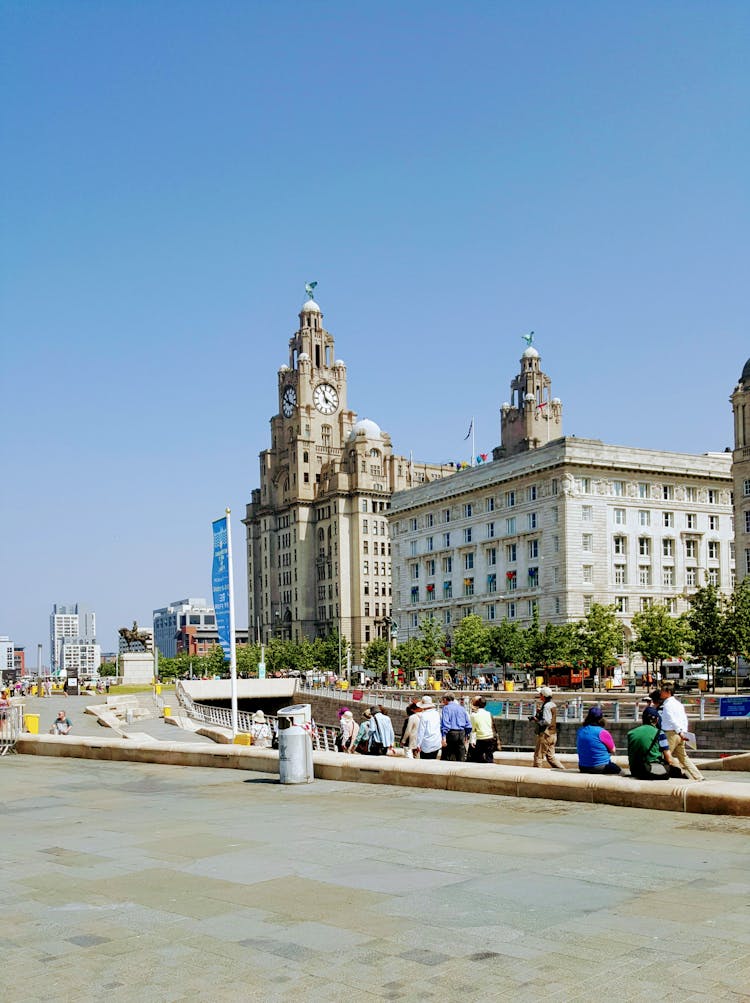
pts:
[545, 720]
[429, 736]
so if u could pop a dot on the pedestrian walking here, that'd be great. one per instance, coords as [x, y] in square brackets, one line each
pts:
[410, 732]
[545, 721]
[382, 737]
[362, 738]
[455, 729]
[674, 724]
[429, 737]
[260, 731]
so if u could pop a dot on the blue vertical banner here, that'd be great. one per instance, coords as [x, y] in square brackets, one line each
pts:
[220, 585]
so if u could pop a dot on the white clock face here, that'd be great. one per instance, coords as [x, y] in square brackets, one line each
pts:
[326, 398]
[288, 402]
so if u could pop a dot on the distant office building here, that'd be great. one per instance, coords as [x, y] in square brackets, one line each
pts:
[741, 471]
[6, 659]
[78, 657]
[198, 640]
[72, 624]
[19, 659]
[169, 620]
[555, 524]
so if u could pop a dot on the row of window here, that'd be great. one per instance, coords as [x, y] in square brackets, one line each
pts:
[620, 518]
[668, 547]
[619, 489]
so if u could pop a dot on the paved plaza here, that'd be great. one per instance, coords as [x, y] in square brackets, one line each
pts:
[126, 880]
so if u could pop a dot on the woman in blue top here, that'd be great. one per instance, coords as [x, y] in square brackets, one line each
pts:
[595, 745]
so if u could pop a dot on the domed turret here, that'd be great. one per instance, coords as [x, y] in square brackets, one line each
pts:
[745, 378]
[367, 428]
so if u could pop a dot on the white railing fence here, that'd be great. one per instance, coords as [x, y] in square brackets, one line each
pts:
[11, 726]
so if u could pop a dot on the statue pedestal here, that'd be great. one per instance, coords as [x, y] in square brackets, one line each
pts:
[137, 668]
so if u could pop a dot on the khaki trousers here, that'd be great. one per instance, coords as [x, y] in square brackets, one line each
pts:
[677, 749]
[545, 749]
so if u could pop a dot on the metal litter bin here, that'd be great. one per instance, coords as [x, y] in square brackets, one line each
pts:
[295, 745]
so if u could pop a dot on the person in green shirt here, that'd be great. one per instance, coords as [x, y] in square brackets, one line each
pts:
[648, 750]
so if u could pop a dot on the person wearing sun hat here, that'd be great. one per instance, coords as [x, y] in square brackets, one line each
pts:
[429, 736]
[545, 721]
[261, 731]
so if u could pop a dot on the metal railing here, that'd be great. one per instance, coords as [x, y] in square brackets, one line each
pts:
[11, 726]
[323, 736]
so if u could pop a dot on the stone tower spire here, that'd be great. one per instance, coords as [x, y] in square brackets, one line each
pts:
[741, 472]
[533, 417]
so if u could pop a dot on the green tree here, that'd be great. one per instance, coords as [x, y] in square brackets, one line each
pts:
[710, 639]
[215, 662]
[737, 625]
[507, 643]
[659, 635]
[326, 652]
[248, 656]
[375, 658]
[471, 644]
[432, 640]
[411, 654]
[601, 637]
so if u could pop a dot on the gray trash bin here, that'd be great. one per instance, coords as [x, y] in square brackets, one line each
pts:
[295, 745]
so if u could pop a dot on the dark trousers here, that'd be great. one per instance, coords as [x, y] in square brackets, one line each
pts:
[429, 755]
[455, 745]
[607, 768]
[485, 748]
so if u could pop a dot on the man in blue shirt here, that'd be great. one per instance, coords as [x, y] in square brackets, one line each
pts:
[455, 727]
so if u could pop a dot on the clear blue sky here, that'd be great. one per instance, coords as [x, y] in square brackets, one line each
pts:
[452, 174]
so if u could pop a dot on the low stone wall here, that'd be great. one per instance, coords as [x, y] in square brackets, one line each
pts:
[710, 797]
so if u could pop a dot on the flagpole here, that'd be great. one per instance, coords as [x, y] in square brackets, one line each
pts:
[473, 450]
[232, 637]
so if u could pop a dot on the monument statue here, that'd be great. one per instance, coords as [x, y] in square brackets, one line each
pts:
[133, 636]
[310, 289]
[528, 338]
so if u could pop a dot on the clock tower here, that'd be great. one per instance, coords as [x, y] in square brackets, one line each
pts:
[318, 544]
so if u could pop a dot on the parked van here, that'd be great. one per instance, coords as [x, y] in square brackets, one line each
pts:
[685, 675]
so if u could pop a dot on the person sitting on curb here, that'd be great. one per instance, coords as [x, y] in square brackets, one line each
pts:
[649, 757]
[595, 745]
[61, 725]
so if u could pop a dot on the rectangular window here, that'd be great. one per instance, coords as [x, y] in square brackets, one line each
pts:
[533, 578]
[430, 568]
[430, 519]
[447, 564]
[667, 577]
[643, 491]
[366, 567]
[447, 590]
[364, 526]
[532, 520]
[490, 529]
[413, 548]
[468, 510]
[588, 602]
[468, 586]
[555, 544]
[430, 593]
[446, 515]
[533, 607]
[646, 603]
[618, 544]
[511, 581]
[691, 548]
[510, 498]
[533, 549]
[555, 575]
[415, 593]
[713, 496]
[364, 504]
[415, 572]
[619, 516]
[588, 574]
[510, 526]
[747, 521]
[467, 534]
[667, 492]
[491, 611]
[644, 546]
[691, 520]
[468, 562]
[430, 543]
[713, 550]
[668, 520]
[667, 548]
[413, 525]
[531, 493]
[587, 542]
[690, 575]
[583, 484]
[691, 494]
[671, 605]
[491, 556]
[511, 550]
[587, 513]
[618, 489]
[644, 517]
[446, 617]
[555, 486]
[644, 574]
[492, 583]
[555, 514]
[489, 505]
[446, 539]
[621, 604]
[713, 522]
[511, 611]
[621, 574]
[557, 604]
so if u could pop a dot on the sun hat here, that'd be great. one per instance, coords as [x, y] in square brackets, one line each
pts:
[341, 711]
[545, 691]
[259, 717]
[425, 703]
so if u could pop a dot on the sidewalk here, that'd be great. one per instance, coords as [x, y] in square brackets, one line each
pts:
[214, 884]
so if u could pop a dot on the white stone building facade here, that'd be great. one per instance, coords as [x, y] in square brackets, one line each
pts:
[558, 526]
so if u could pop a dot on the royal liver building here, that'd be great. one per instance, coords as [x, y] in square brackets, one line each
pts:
[318, 545]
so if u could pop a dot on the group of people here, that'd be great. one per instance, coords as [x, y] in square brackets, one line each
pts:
[448, 732]
[657, 748]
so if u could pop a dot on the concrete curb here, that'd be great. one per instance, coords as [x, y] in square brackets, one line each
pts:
[710, 797]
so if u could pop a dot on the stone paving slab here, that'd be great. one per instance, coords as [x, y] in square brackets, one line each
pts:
[167, 884]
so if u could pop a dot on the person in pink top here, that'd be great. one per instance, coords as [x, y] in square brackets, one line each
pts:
[595, 745]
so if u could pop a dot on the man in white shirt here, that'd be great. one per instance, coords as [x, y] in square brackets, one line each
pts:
[674, 724]
[429, 736]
